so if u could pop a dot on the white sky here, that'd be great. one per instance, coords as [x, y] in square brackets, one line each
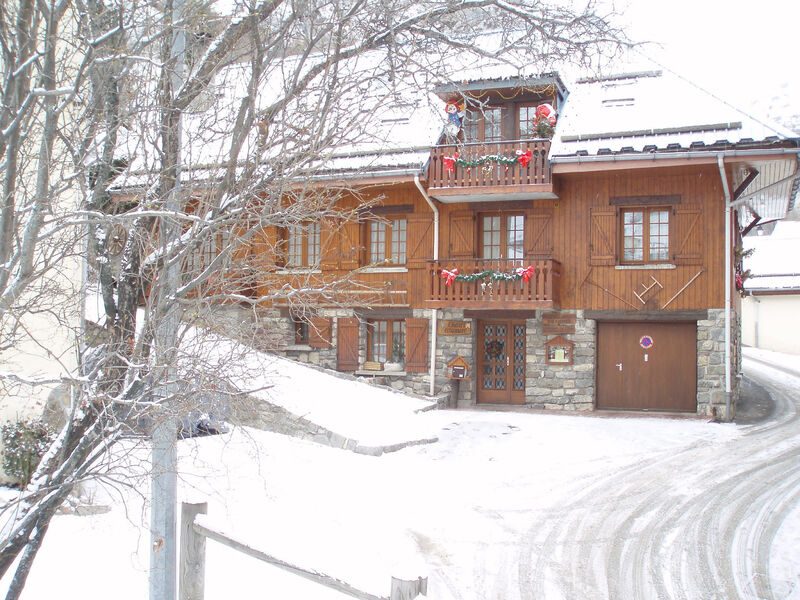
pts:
[746, 52]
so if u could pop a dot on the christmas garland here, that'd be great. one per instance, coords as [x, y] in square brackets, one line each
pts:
[523, 158]
[524, 274]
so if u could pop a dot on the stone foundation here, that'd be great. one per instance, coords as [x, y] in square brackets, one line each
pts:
[548, 386]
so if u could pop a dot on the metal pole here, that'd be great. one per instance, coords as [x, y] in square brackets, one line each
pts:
[164, 478]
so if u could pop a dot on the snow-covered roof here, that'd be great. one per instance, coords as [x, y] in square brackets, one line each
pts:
[652, 111]
[386, 126]
[775, 262]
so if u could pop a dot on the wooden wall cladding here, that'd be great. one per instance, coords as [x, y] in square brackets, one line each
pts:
[584, 218]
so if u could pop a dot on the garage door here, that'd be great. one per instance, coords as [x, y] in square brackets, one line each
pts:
[647, 366]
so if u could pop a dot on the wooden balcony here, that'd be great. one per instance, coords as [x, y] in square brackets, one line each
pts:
[449, 181]
[541, 291]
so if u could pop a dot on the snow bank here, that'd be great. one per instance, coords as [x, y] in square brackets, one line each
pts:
[356, 410]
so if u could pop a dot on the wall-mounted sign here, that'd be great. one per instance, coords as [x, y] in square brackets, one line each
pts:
[646, 342]
[554, 323]
[455, 327]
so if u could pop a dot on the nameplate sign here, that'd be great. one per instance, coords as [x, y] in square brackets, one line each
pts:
[558, 323]
[455, 327]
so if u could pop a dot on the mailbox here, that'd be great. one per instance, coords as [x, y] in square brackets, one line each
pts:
[458, 368]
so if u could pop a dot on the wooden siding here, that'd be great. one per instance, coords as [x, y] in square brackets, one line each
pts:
[580, 231]
[589, 280]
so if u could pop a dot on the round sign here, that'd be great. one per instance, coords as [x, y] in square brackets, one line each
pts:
[646, 342]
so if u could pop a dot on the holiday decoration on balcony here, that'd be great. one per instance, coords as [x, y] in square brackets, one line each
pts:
[488, 275]
[523, 158]
[545, 122]
[455, 117]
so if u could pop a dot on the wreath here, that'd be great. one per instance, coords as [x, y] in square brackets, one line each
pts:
[494, 349]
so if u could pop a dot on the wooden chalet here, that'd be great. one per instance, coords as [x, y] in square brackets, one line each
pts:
[575, 248]
[589, 267]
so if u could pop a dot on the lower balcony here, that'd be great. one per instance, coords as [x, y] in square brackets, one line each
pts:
[494, 284]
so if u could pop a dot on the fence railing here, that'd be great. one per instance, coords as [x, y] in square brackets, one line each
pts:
[445, 171]
[193, 563]
[541, 288]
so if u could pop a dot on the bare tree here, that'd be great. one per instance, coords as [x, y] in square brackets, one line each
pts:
[179, 174]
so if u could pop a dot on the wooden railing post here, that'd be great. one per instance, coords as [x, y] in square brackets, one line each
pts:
[408, 589]
[191, 582]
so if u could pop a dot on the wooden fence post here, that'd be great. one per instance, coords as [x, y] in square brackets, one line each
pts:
[191, 582]
[408, 589]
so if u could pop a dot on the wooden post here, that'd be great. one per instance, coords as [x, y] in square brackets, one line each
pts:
[408, 589]
[455, 385]
[193, 554]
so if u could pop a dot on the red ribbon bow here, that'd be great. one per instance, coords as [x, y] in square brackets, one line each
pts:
[526, 273]
[450, 162]
[449, 276]
[524, 157]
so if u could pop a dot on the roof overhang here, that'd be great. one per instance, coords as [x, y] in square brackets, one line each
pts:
[447, 90]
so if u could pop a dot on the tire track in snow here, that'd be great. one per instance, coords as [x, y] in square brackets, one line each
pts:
[630, 535]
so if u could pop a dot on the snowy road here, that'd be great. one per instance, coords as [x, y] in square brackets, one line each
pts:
[712, 519]
[506, 506]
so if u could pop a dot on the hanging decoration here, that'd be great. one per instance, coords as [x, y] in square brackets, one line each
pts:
[487, 276]
[545, 121]
[455, 110]
[519, 157]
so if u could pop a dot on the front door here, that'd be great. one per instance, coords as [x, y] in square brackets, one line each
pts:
[647, 366]
[501, 362]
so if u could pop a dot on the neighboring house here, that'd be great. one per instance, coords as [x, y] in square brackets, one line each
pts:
[771, 309]
[587, 271]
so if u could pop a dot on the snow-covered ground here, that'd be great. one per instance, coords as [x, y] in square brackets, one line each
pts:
[505, 505]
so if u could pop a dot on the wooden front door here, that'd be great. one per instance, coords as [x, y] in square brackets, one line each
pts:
[647, 366]
[501, 362]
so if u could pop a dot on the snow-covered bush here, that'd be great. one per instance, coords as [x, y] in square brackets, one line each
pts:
[24, 443]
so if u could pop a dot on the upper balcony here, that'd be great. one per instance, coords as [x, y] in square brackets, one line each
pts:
[486, 171]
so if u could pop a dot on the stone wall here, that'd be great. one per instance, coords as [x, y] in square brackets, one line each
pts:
[450, 346]
[711, 363]
[564, 387]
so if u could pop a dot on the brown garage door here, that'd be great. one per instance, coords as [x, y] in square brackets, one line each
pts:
[647, 366]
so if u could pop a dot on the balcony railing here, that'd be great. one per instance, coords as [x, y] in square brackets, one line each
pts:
[541, 290]
[445, 172]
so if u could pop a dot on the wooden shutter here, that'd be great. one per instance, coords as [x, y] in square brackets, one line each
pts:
[347, 344]
[462, 234]
[270, 247]
[539, 234]
[602, 236]
[351, 248]
[419, 240]
[329, 242]
[319, 333]
[687, 235]
[416, 345]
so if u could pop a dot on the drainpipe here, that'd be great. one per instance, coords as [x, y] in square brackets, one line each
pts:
[434, 312]
[728, 250]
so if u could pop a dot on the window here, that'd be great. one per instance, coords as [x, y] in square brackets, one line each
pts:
[387, 241]
[300, 331]
[645, 235]
[303, 245]
[502, 236]
[483, 125]
[386, 340]
[526, 121]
